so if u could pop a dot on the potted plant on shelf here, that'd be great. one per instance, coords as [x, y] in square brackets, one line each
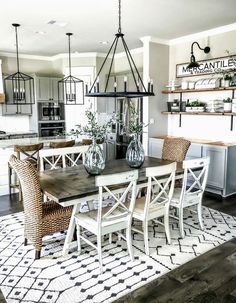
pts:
[135, 152]
[227, 105]
[195, 106]
[94, 161]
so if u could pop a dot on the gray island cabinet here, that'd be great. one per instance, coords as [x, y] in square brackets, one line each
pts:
[222, 173]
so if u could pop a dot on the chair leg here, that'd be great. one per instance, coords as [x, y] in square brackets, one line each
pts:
[199, 211]
[129, 243]
[78, 237]
[145, 234]
[9, 178]
[110, 238]
[90, 205]
[25, 242]
[181, 223]
[99, 247]
[167, 226]
[37, 254]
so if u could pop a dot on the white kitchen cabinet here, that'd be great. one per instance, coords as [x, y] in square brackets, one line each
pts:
[217, 167]
[194, 151]
[222, 172]
[14, 109]
[47, 88]
[155, 147]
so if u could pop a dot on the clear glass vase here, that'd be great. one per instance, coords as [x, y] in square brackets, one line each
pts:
[135, 153]
[94, 161]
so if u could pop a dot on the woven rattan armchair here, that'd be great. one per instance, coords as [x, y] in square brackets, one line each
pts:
[175, 149]
[41, 218]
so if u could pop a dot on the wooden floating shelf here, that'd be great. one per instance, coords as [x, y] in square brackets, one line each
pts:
[199, 113]
[217, 89]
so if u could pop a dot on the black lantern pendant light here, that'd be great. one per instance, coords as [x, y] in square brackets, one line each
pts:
[19, 86]
[71, 87]
[139, 91]
[193, 62]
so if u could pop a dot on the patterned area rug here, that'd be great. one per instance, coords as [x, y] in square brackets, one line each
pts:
[76, 278]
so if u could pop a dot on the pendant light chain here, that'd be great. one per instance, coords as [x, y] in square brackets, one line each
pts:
[17, 51]
[69, 34]
[119, 14]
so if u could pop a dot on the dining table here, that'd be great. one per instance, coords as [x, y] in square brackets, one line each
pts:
[72, 186]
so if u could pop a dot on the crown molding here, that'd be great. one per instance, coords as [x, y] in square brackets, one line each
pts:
[132, 51]
[204, 34]
[54, 57]
[148, 39]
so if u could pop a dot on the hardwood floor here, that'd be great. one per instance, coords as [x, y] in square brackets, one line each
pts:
[210, 278]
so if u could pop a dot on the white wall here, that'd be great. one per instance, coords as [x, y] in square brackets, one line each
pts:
[206, 127]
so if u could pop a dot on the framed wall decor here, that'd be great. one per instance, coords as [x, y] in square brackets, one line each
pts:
[210, 66]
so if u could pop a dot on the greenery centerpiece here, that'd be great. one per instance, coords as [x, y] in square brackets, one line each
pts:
[135, 152]
[94, 161]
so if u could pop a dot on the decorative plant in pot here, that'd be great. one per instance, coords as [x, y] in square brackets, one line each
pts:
[135, 152]
[195, 106]
[94, 161]
[227, 105]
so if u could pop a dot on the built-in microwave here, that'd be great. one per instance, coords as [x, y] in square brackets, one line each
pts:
[51, 112]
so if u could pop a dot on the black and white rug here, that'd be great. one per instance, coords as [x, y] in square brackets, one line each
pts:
[77, 278]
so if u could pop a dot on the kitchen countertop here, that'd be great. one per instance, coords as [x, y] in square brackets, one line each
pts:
[11, 142]
[17, 133]
[201, 141]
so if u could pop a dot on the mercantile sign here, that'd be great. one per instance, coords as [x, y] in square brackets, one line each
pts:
[210, 66]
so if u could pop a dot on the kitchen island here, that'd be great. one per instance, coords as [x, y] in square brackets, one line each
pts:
[7, 149]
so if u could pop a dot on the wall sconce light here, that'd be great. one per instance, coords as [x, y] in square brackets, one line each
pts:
[193, 62]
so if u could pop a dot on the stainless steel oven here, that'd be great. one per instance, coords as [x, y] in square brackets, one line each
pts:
[50, 111]
[51, 129]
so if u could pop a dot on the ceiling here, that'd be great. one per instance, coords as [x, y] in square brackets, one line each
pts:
[93, 21]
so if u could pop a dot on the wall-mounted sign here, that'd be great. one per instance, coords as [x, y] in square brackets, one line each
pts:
[210, 66]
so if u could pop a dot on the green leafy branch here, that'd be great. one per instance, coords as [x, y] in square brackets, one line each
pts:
[93, 130]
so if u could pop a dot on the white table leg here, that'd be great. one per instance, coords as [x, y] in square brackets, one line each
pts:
[70, 232]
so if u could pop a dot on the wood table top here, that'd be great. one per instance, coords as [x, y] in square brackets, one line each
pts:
[72, 183]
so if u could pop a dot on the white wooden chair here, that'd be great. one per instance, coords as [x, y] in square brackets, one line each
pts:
[160, 188]
[54, 158]
[107, 220]
[194, 184]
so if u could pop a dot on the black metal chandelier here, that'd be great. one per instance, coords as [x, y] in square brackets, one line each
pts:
[19, 87]
[138, 92]
[193, 63]
[71, 88]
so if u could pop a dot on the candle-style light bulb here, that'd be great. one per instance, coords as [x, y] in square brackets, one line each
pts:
[97, 84]
[151, 83]
[125, 83]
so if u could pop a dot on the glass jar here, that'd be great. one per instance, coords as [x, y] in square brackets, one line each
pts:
[94, 160]
[135, 153]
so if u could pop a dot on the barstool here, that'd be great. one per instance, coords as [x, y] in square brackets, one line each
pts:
[28, 152]
[61, 144]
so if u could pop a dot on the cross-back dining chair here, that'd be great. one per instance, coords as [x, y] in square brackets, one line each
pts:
[191, 193]
[115, 218]
[41, 218]
[62, 157]
[156, 203]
